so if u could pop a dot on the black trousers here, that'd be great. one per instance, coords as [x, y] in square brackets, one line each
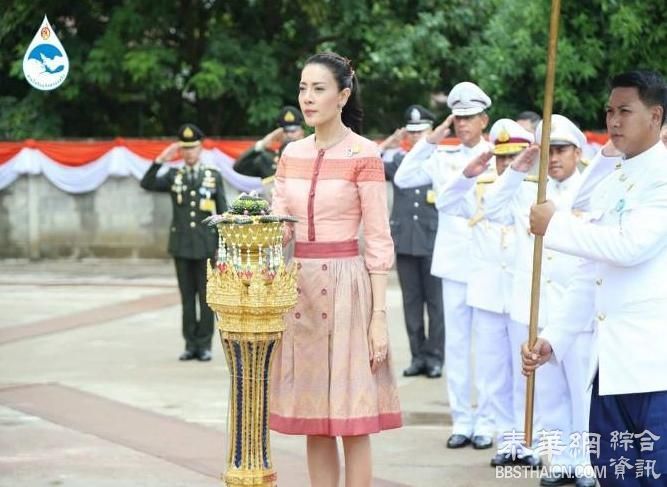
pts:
[191, 275]
[420, 288]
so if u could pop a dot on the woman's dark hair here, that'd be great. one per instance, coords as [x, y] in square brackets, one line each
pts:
[650, 85]
[341, 68]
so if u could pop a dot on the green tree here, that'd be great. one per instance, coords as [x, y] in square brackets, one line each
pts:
[596, 39]
[141, 68]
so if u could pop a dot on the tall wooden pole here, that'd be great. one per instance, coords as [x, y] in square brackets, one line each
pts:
[541, 197]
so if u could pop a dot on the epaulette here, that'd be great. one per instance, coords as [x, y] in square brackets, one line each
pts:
[486, 179]
[531, 179]
[584, 162]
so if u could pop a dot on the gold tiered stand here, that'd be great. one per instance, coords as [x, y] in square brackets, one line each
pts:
[250, 289]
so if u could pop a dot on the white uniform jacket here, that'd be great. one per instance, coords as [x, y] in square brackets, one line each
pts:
[493, 245]
[626, 238]
[437, 165]
[511, 203]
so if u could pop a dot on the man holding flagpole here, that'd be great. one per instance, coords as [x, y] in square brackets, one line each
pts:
[625, 237]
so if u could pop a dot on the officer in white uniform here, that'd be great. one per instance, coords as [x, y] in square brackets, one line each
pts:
[562, 402]
[625, 236]
[490, 279]
[427, 163]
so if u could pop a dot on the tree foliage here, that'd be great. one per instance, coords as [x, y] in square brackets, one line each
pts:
[596, 39]
[141, 68]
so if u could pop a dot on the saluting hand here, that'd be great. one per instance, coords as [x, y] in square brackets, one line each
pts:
[441, 131]
[168, 153]
[394, 140]
[531, 359]
[273, 137]
[525, 161]
[478, 165]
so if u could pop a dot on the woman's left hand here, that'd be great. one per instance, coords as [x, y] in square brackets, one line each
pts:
[378, 340]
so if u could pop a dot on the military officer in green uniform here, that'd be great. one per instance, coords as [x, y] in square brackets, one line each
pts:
[196, 192]
[261, 159]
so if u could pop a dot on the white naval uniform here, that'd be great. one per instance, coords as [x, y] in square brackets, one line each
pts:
[561, 403]
[626, 238]
[489, 294]
[431, 164]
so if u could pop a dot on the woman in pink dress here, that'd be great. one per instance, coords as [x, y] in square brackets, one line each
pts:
[332, 374]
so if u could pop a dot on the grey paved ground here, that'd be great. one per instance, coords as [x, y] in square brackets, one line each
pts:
[91, 393]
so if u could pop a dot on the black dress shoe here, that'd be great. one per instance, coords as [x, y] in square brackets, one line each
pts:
[503, 460]
[482, 442]
[188, 355]
[554, 479]
[415, 368]
[585, 482]
[458, 441]
[434, 372]
[530, 461]
[204, 355]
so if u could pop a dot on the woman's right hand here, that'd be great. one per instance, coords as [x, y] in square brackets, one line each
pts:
[288, 233]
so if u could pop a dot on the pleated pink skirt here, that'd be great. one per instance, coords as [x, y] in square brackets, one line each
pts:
[321, 380]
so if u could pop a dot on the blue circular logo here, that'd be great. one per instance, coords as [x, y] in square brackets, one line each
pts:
[49, 56]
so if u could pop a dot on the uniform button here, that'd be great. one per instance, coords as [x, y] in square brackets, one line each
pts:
[598, 282]
[548, 281]
[193, 224]
[192, 193]
[415, 217]
[416, 205]
[601, 316]
[504, 266]
[192, 214]
[549, 257]
[297, 315]
[417, 191]
[324, 316]
[298, 290]
[324, 292]
[324, 267]
[298, 265]
[192, 203]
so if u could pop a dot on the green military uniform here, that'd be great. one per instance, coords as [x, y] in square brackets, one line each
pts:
[257, 161]
[196, 193]
[261, 161]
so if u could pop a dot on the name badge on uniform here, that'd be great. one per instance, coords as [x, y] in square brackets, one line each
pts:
[208, 205]
[430, 197]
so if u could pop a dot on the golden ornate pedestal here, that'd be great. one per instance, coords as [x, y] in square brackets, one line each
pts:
[250, 289]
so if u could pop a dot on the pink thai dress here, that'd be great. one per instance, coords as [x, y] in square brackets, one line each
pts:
[322, 382]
